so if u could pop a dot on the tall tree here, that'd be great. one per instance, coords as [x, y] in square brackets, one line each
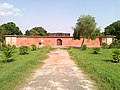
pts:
[113, 29]
[10, 28]
[86, 27]
[39, 31]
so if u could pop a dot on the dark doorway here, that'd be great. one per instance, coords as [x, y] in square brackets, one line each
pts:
[59, 42]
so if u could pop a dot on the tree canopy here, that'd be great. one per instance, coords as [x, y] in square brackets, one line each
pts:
[86, 27]
[39, 31]
[9, 28]
[113, 29]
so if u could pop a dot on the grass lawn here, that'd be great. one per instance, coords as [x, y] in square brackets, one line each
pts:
[14, 73]
[99, 67]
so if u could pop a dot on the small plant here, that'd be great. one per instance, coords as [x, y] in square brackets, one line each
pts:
[115, 44]
[14, 46]
[84, 47]
[105, 45]
[47, 48]
[33, 47]
[8, 52]
[23, 50]
[1, 46]
[116, 56]
[96, 50]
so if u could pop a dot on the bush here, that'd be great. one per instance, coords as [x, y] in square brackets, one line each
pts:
[116, 56]
[84, 47]
[96, 50]
[47, 48]
[1, 46]
[14, 46]
[115, 44]
[33, 47]
[105, 45]
[8, 52]
[23, 50]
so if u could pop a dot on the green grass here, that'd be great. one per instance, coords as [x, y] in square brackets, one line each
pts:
[99, 67]
[14, 73]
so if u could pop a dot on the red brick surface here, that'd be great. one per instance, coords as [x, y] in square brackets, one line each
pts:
[66, 41]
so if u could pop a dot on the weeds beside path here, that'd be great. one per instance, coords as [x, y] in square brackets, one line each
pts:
[59, 73]
[12, 74]
[99, 67]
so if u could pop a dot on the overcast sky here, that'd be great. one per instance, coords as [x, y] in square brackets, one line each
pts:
[57, 15]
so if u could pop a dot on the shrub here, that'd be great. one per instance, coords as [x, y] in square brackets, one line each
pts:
[105, 45]
[8, 52]
[116, 56]
[33, 47]
[23, 50]
[14, 46]
[47, 48]
[96, 50]
[1, 46]
[84, 47]
[115, 44]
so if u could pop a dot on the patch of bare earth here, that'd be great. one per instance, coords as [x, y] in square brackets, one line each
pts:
[59, 73]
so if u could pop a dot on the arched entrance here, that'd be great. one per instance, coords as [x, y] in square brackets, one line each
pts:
[59, 42]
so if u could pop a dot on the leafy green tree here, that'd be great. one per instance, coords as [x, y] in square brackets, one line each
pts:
[85, 27]
[39, 31]
[97, 32]
[113, 29]
[10, 28]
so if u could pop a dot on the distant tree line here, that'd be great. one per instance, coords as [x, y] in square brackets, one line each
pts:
[11, 28]
[36, 31]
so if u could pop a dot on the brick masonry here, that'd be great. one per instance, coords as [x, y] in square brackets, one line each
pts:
[53, 40]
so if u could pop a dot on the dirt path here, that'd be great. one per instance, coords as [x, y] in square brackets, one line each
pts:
[59, 73]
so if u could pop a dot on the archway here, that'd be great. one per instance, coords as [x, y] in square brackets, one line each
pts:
[59, 42]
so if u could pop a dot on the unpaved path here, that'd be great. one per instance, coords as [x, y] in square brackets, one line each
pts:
[59, 73]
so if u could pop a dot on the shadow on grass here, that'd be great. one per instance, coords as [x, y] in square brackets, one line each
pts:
[95, 53]
[7, 61]
[107, 61]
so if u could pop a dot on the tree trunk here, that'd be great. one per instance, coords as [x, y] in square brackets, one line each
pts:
[82, 42]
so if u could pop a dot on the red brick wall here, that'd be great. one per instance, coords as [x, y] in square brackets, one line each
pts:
[66, 41]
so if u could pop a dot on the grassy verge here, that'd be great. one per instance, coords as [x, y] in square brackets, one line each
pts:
[99, 67]
[14, 73]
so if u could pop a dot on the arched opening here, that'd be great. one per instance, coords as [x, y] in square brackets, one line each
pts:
[59, 42]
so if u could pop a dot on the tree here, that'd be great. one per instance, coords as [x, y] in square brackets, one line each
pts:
[85, 27]
[39, 31]
[113, 29]
[1, 34]
[10, 28]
